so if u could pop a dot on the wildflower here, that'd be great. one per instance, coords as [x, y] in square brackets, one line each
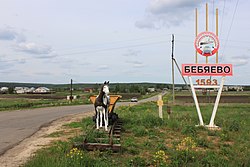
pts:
[160, 158]
[186, 144]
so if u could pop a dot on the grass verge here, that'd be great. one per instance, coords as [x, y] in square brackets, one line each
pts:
[149, 141]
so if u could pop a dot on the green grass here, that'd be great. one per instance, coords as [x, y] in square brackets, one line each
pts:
[149, 141]
[24, 103]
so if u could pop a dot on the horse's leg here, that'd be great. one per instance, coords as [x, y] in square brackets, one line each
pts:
[97, 117]
[106, 119]
[101, 116]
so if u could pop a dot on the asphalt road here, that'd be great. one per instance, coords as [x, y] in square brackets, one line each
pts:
[16, 126]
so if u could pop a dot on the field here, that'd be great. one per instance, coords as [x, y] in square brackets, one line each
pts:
[26, 101]
[149, 141]
[209, 97]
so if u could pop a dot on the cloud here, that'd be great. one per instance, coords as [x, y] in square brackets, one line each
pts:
[136, 64]
[9, 34]
[33, 48]
[166, 13]
[103, 67]
[7, 67]
[131, 53]
[20, 43]
[145, 23]
[239, 60]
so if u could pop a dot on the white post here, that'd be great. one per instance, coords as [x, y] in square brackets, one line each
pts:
[196, 101]
[216, 104]
[160, 104]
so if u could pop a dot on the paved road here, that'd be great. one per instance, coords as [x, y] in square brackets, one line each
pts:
[15, 126]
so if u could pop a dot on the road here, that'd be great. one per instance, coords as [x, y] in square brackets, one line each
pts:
[16, 126]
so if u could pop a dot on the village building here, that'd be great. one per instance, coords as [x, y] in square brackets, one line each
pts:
[42, 90]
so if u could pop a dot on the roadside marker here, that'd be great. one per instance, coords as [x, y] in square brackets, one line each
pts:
[160, 104]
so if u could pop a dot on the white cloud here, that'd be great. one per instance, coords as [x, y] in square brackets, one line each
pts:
[239, 61]
[166, 13]
[145, 23]
[33, 48]
[136, 64]
[131, 53]
[102, 68]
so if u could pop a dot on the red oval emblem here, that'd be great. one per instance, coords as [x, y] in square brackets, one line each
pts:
[206, 43]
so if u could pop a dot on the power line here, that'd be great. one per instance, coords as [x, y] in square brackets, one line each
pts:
[114, 48]
[114, 42]
[235, 9]
[222, 19]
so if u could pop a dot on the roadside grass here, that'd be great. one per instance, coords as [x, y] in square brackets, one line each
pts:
[149, 141]
[26, 103]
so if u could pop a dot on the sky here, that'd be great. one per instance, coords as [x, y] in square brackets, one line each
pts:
[91, 41]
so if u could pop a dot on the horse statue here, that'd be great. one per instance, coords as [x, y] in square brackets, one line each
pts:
[101, 106]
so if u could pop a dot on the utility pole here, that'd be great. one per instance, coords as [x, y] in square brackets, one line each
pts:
[71, 90]
[173, 67]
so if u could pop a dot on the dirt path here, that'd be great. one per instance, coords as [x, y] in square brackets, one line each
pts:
[19, 154]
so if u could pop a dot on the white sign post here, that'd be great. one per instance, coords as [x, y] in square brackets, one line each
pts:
[160, 104]
[216, 104]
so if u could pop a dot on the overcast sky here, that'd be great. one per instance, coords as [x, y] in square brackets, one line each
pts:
[52, 41]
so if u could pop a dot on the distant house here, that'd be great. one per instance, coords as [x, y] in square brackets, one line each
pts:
[230, 88]
[235, 88]
[88, 90]
[22, 90]
[166, 89]
[178, 88]
[42, 90]
[4, 89]
[151, 89]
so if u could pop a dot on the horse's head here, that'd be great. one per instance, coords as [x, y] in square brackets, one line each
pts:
[105, 87]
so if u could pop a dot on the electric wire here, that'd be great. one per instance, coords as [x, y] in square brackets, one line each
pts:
[113, 42]
[230, 27]
[222, 19]
[114, 48]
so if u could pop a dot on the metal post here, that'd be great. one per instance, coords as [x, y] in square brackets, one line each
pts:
[217, 32]
[71, 90]
[216, 104]
[206, 25]
[173, 67]
[196, 32]
[196, 101]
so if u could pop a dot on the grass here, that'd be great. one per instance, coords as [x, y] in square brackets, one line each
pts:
[27, 101]
[149, 141]
[23, 103]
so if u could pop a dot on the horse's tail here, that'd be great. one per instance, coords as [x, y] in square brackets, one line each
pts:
[95, 116]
